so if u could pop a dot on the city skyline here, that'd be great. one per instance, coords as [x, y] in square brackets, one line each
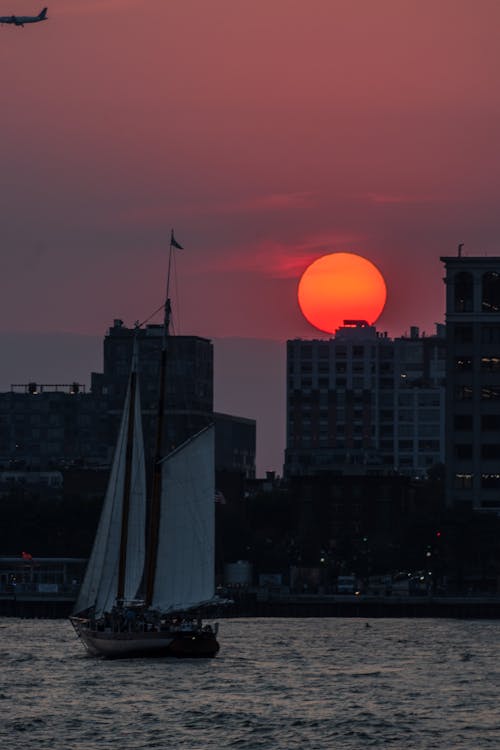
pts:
[266, 137]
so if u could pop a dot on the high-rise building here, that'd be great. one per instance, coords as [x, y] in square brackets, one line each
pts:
[189, 389]
[364, 403]
[47, 426]
[473, 382]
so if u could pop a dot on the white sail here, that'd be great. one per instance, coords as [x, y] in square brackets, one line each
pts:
[100, 584]
[185, 562]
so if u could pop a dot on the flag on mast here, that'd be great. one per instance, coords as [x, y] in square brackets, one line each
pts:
[173, 241]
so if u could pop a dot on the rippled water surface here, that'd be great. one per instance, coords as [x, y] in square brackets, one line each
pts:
[277, 684]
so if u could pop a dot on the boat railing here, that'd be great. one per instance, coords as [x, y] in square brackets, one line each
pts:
[129, 622]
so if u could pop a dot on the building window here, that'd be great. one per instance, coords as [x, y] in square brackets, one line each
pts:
[463, 422]
[463, 450]
[405, 415]
[385, 383]
[406, 445]
[463, 481]
[490, 364]
[406, 430]
[428, 399]
[490, 334]
[463, 393]
[428, 430]
[490, 481]
[490, 393]
[490, 422]
[491, 292]
[463, 363]
[490, 450]
[463, 334]
[429, 445]
[463, 292]
[406, 461]
[428, 415]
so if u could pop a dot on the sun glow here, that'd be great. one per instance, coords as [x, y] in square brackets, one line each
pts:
[338, 287]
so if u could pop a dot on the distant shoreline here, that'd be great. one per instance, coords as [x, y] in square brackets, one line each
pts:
[299, 606]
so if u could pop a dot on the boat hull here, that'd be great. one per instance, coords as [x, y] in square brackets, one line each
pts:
[128, 645]
[191, 646]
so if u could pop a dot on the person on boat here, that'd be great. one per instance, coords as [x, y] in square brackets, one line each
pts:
[130, 619]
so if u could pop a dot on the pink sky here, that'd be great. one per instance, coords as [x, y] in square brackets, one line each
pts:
[267, 133]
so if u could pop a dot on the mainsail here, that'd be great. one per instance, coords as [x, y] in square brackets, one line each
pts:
[100, 585]
[184, 576]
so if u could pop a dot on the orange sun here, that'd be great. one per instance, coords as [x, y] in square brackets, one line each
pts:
[338, 287]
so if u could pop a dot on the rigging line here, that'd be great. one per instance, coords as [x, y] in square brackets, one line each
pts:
[171, 262]
[139, 325]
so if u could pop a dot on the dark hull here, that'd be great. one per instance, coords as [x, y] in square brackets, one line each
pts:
[193, 646]
[130, 645]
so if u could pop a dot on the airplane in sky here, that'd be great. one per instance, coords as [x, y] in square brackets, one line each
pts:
[21, 20]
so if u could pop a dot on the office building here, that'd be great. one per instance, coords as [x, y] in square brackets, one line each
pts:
[362, 403]
[473, 382]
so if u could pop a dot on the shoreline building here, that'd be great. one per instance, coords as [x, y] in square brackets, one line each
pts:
[362, 403]
[473, 382]
[52, 426]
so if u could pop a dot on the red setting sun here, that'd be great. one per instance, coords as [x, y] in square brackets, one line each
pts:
[338, 287]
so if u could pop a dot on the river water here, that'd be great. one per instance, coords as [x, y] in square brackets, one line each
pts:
[277, 684]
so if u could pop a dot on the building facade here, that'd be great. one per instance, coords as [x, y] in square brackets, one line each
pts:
[364, 403]
[42, 427]
[235, 444]
[189, 388]
[49, 426]
[473, 382]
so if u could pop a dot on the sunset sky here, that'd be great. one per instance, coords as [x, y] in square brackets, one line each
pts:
[267, 133]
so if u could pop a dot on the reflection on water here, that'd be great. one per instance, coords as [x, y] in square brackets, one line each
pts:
[277, 684]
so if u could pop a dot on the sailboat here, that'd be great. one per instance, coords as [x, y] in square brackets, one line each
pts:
[147, 584]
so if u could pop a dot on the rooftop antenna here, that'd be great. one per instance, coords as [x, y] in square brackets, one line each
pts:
[460, 249]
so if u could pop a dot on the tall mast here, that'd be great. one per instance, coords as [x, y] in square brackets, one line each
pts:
[154, 517]
[122, 565]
